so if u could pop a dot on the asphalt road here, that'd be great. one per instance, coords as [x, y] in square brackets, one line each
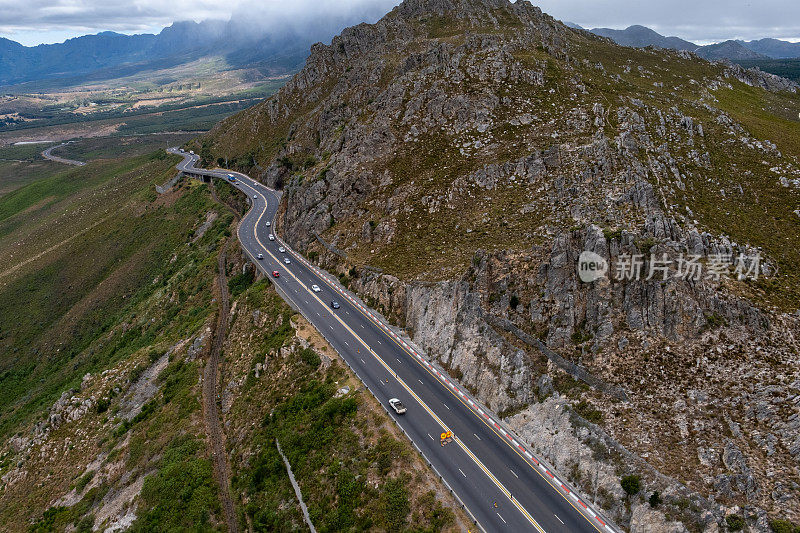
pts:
[502, 484]
[47, 154]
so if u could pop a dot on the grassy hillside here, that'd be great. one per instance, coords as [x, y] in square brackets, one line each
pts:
[22, 164]
[68, 280]
[113, 297]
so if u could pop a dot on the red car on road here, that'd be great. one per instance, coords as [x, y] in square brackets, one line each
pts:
[276, 274]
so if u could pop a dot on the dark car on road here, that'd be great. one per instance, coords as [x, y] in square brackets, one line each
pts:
[335, 305]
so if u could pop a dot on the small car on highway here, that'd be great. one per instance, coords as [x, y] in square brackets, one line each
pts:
[315, 288]
[335, 305]
[269, 223]
[398, 406]
[287, 260]
[261, 256]
[276, 274]
[281, 249]
[271, 237]
[255, 196]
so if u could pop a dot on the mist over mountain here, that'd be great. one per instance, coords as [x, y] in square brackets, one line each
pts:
[275, 40]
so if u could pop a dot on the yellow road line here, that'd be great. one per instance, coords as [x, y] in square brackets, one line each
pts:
[477, 461]
[457, 397]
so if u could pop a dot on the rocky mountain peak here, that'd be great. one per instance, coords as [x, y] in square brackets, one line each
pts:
[461, 155]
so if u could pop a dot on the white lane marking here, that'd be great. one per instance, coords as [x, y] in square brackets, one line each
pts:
[515, 474]
[430, 436]
[346, 343]
[331, 327]
[430, 366]
[420, 381]
[362, 360]
[398, 360]
[446, 406]
[477, 437]
[562, 522]
[501, 518]
[462, 472]
[379, 342]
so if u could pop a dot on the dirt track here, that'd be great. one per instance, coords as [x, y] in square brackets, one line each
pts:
[210, 394]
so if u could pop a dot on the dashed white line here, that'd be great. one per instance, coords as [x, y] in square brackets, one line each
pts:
[562, 522]
[501, 518]
[430, 436]
[462, 472]
[477, 437]
[515, 474]
[446, 406]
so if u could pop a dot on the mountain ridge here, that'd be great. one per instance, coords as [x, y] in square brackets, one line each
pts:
[640, 36]
[461, 155]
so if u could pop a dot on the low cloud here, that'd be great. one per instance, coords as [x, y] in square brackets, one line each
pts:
[703, 20]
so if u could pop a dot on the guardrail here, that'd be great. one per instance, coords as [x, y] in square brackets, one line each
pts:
[566, 489]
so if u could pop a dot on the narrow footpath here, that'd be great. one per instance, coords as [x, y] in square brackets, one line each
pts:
[210, 387]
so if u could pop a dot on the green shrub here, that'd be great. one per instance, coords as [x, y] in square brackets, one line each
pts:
[310, 357]
[513, 302]
[102, 405]
[241, 282]
[587, 411]
[783, 526]
[631, 484]
[183, 491]
[734, 522]
[395, 504]
[84, 480]
[655, 499]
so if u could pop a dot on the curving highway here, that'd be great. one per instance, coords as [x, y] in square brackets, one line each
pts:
[498, 479]
[47, 154]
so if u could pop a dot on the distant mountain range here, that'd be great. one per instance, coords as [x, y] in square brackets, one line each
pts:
[761, 49]
[280, 47]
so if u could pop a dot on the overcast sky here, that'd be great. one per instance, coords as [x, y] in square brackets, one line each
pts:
[36, 21]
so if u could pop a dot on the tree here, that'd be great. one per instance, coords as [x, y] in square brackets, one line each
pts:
[631, 484]
[655, 499]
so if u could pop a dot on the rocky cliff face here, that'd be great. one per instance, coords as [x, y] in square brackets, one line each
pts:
[458, 157]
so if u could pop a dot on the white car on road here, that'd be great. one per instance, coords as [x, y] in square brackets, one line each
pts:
[287, 260]
[269, 223]
[281, 249]
[316, 288]
[261, 256]
[272, 237]
[398, 406]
